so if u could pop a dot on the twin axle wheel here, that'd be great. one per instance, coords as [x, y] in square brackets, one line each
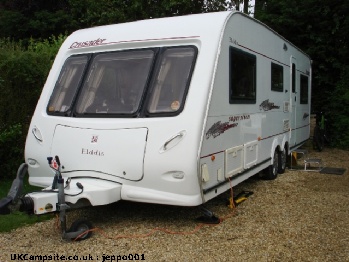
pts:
[278, 166]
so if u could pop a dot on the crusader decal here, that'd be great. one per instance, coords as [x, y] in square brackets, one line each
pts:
[219, 128]
[266, 105]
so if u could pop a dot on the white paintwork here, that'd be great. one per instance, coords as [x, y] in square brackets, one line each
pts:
[96, 191]
[174, 160]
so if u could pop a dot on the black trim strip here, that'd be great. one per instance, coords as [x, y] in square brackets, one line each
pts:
[205, 191]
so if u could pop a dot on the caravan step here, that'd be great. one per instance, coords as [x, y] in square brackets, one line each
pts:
[316, 161]
[294, 157]
[304, 152]
[310, 164]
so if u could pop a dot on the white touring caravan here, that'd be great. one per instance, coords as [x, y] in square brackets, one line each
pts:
[170, 111]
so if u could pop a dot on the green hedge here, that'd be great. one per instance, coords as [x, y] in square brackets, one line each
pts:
[339, 112]
[23, 72]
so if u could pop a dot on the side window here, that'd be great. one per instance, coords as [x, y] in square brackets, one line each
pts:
[277, 77]
[67, 85]
[242, 82]
[304, 89]
[171, 80]
[293, 78]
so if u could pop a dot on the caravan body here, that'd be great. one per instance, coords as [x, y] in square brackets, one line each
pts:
[170, 111]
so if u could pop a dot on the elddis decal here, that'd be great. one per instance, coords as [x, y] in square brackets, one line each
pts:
[93, 152]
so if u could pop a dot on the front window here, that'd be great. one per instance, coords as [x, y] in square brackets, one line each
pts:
[67, 85]
[115, 83]
[131, 83]
[171, 80]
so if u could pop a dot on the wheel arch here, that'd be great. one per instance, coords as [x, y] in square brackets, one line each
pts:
[275, 146]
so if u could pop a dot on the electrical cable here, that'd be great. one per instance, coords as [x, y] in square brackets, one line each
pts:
[157, 229]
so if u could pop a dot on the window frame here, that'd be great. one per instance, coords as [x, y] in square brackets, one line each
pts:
[152, 84]
[76, 91]
[119, 114]
[147, 91]
[280, 69]
[233, 84]
[294, 72]
[304, 94]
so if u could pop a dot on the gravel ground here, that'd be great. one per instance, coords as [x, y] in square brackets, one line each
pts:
[300, 216]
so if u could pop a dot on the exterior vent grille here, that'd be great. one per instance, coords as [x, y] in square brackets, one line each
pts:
[286, 125]
[286, 106]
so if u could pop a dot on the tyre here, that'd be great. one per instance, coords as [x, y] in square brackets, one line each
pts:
[81, 225]
[282, 161]
[272, 170]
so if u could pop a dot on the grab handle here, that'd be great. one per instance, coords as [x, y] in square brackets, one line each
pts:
[173, 138]
[37, 134]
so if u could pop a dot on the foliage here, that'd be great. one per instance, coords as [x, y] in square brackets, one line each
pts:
[43, 18]
[18, 219]
[319, 27]
[339, 112]
[23, 71]
[22, 19]
[11, 150]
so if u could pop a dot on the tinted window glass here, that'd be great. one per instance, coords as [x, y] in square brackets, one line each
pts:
[67, 85]
[293, 78]
[242, 77]
[171, 80]
[277, 77]
[130, 83]
[304, 90]
[115, 83]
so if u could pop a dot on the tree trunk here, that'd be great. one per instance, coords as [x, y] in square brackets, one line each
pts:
[246, 6]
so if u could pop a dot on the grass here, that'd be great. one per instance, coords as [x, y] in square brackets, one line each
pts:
[18, 219]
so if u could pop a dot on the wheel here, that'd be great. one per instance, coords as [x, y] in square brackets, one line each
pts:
[282, 161]
[272, 170]
[84, 225]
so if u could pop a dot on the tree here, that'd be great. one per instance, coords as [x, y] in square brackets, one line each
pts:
[245, 7]
[22, 19]
[43, 18]
[319, 27]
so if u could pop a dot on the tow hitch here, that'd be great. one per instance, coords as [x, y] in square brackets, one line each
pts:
[33, 202]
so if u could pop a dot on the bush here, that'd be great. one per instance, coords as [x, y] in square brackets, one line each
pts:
[339, 112]
[11, 150]
[23, 72]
